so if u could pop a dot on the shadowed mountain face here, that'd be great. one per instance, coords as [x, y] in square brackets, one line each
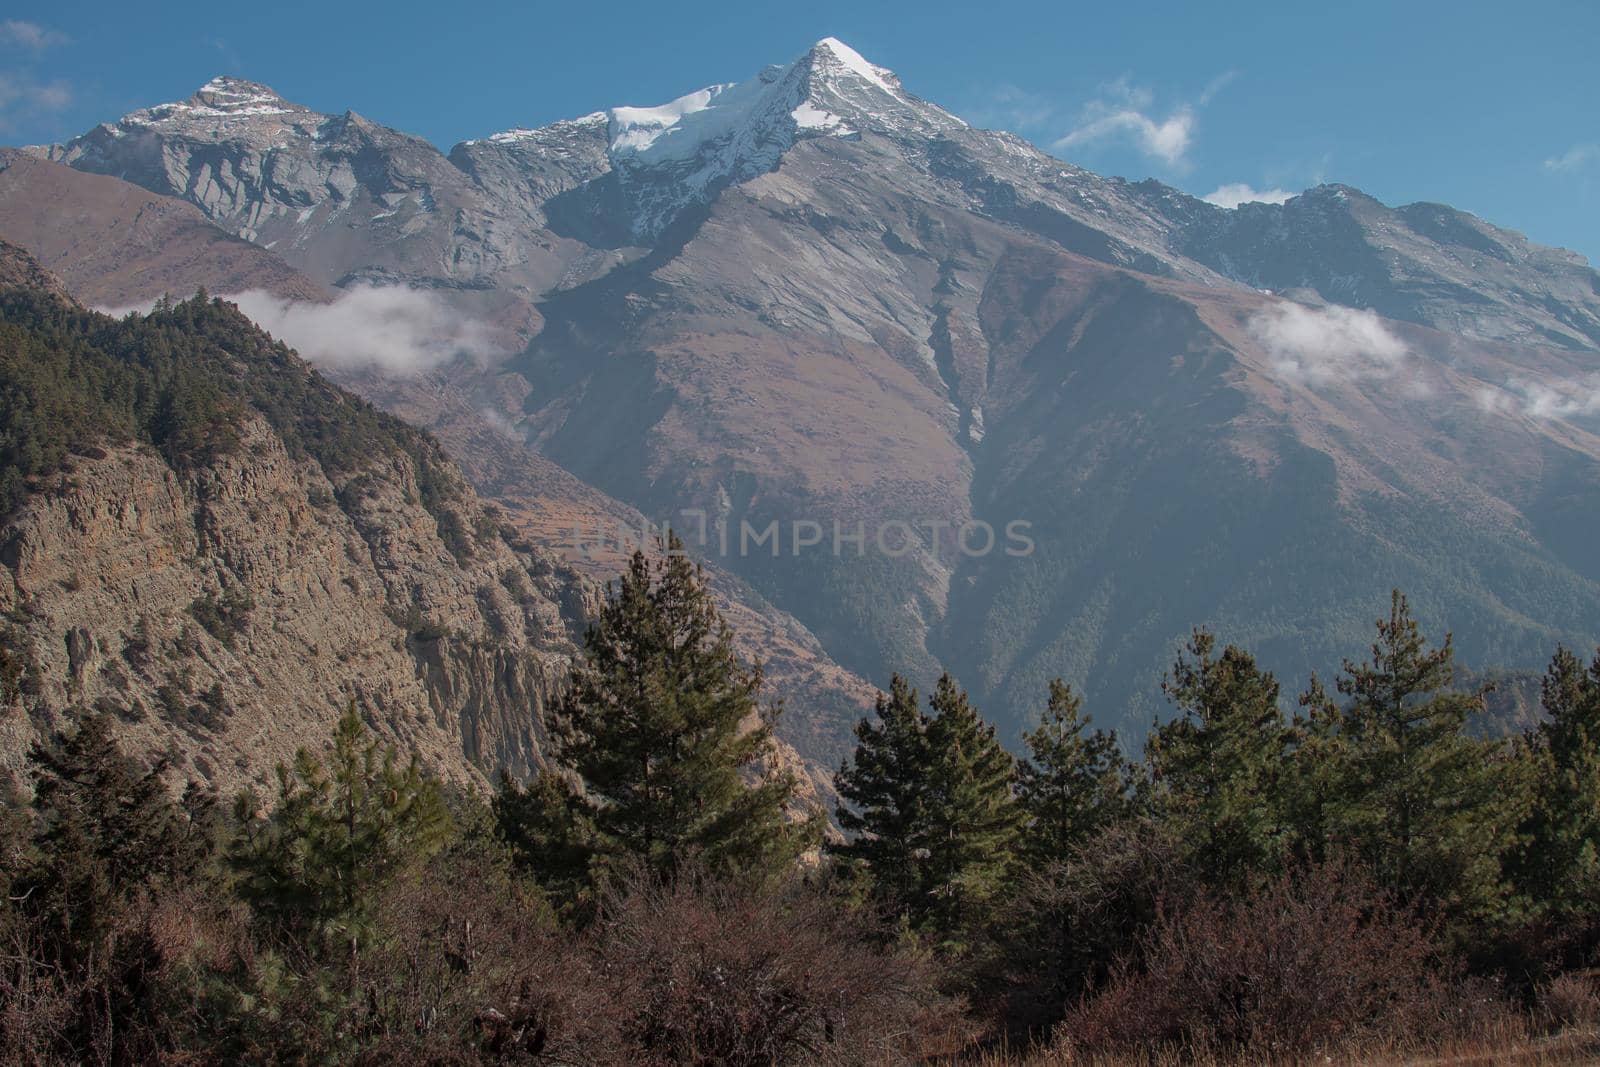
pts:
[814, 299]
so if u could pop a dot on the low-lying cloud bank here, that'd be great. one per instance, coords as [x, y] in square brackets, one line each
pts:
[393, 329]
[1327, 346]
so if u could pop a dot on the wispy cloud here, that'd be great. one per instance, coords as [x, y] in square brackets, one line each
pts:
[1010, 107]
[1541, 400]
[29, 35]
[1328, 346]
[23, 99]
[1216, 85]
[394, 329]
[1233, 194]
[1125, 111]
[1574, 158]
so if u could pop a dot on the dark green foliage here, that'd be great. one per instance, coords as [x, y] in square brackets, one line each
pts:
[1073, 783]
[1217, 769]
[973, 822]
[883, 789]
[1066, 920]
[1428, 808]
[930, 801]
[548, 832]
[224, 617]
[108, 830]
[181, 378]
[661, 725]
[87, 873]
[1558, 865]
[345, 824]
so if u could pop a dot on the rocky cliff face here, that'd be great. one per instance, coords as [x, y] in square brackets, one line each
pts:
[229, 609]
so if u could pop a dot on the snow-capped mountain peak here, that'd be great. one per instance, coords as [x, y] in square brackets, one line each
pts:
[223, 99]
[834, 56]
[236, 96]
[670, 155]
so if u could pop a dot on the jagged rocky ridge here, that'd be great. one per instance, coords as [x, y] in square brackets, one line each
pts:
[492, 212]
[812, 296]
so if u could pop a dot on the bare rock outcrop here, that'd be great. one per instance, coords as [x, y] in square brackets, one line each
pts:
[228, 613]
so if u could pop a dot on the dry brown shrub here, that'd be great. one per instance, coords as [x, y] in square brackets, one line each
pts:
[1317, 959]
[1570, 1000]
[701, 971]
[1066, 922]
[472, 968]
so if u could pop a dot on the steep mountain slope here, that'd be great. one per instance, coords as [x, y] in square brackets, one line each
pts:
[205, 536]
[123, 246]
[116, 245]
[814, 299]
[935, 328]
[593, 534]
[931, 366]
[1176, 469]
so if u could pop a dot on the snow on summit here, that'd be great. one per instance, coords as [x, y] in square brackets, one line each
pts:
[669, 155]
[797, 96]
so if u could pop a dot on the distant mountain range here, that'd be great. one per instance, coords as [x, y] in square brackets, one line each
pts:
[816, 299]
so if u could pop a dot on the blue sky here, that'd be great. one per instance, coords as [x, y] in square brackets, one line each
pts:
[1491, 107]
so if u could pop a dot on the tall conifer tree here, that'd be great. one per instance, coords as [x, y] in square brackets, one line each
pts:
[1218, 767]
[663, 726]
[1432, 810]
[1560, 861]
[973, 820]
[883, 789]
[345, 823]
[1073, 782]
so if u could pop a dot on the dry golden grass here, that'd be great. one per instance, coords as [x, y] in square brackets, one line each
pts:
[1512, 1044]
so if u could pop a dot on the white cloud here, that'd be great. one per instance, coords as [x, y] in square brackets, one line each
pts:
[394, 329]
[29, 35]
[1323, 346]
[1541, 400]
[1125, 111]
[1573, 158]
[1233, 194]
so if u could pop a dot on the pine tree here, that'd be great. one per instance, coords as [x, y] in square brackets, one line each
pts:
[345, 824]
[1430, 809]
[882, 788]
[108, 833]
[1073, 783]
[1218, 766]
[973, 821]
[1560, 859]
[108, 844]
[1315, 772]
[662, 725]
[547, 829]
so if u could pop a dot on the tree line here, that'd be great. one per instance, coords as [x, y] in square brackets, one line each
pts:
[1367, 868]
